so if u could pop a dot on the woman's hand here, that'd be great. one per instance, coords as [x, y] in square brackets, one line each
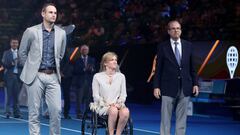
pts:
[118, 106]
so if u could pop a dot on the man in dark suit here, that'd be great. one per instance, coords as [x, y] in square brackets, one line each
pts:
[84, 69]
[175, 79]
[66, 74]
[11, 77]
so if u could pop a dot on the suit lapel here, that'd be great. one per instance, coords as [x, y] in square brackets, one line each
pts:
[10, 54]
[184, 51]
[170, 53]
[40, 37]
[55, 40]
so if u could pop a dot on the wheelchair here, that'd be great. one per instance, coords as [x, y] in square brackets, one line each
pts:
[91, 122]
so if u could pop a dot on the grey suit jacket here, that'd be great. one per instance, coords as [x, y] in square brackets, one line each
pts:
[31, 48]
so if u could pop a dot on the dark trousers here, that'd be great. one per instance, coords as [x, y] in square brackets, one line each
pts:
[66, 85]
[13, 85]
[84, 94]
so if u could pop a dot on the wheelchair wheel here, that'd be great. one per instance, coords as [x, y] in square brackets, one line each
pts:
[128, 130]
[89, 124]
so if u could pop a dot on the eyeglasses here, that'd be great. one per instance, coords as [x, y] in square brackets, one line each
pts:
[177, 28]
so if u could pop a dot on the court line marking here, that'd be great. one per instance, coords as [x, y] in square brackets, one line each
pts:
[147, 131]
[11, 122]
[136, 129]
[44, 124]
[78, 131]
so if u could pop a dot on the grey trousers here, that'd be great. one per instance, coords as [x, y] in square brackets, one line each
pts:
[168, 104]
[50, 87]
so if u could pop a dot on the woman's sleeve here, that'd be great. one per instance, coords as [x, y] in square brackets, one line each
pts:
[123, 91]
[96, 91]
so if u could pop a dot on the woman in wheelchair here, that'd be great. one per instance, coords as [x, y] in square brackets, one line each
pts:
[109, 94]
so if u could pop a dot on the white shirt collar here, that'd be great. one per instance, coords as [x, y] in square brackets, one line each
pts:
[83, 56]
[172, 41]
[179, 46]
[16, 50]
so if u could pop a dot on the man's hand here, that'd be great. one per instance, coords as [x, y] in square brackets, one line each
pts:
[195, 90]
[157, 93]
[1, 68]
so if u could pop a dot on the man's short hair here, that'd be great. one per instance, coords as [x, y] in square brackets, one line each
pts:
[14, 38]
[46, 5]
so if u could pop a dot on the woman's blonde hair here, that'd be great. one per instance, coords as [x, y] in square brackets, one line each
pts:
[106, 57]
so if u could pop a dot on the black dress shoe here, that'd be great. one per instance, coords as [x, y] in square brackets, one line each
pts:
[79, 116]
[67, 117]
[17, 116]
[7, 116]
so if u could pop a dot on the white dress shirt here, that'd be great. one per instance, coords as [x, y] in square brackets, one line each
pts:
[179, 46]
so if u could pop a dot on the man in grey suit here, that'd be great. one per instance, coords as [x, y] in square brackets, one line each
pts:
[11, 78]
[41, 49]
[175, 79]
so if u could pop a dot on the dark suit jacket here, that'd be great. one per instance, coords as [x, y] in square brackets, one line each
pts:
[67, 65]
[82, 75]
[7, 61]
[169, 76]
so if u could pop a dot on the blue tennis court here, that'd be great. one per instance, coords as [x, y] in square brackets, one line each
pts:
[146, 121]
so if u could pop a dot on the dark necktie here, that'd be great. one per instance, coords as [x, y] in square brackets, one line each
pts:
[177, 54]
[85, 61]
[15, 69]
